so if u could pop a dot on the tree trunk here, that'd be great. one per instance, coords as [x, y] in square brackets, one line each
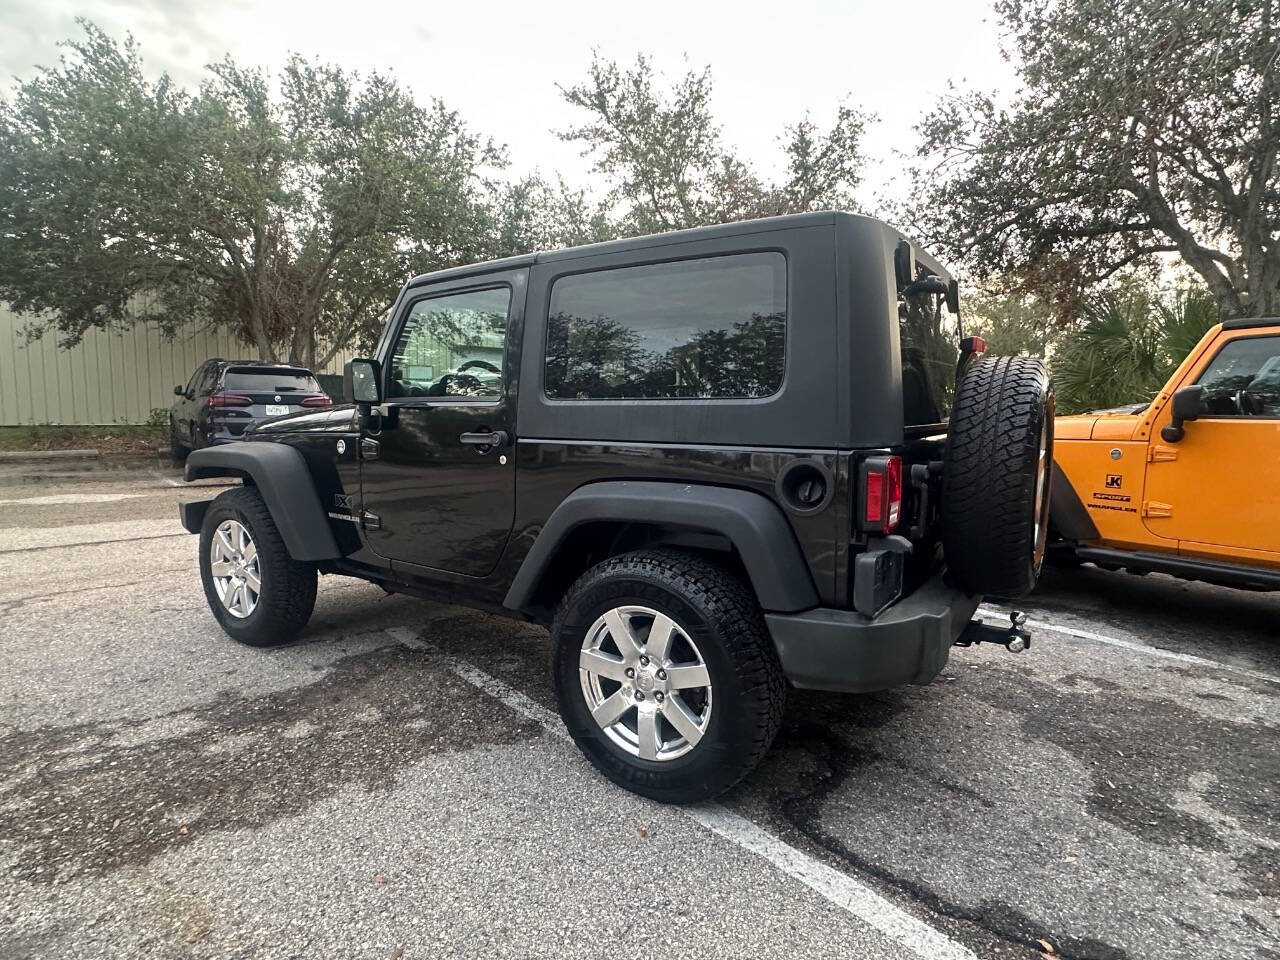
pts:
[1263, 282]
[302, 348]
[260, 339]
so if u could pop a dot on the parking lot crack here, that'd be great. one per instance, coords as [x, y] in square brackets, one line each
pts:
[833, 761]
[17, 603]
[92, 543]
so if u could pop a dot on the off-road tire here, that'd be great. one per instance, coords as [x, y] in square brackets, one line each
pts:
[288, 592]
[991, 539]
[721, 616]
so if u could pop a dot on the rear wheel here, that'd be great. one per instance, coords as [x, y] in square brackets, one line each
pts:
[995, 487]
[666, 676]
[258, 593]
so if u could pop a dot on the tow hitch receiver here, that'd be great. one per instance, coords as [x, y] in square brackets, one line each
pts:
[1013, 638]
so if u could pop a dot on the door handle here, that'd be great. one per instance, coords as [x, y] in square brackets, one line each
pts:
[368, 449]
[488, 440]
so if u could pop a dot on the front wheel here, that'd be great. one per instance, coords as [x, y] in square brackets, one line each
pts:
[665, 674]
[258, 593]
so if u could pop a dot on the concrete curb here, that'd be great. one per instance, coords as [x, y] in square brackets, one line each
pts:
[46, 454]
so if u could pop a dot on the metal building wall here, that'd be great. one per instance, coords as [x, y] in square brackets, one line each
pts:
[109, 377]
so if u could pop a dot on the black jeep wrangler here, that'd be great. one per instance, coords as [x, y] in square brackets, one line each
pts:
[714, 462]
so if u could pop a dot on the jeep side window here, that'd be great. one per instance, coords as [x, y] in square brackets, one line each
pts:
[1244, 379]
[452, 346]
[689, 329]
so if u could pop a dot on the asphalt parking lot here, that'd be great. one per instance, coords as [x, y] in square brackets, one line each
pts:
[395, 784]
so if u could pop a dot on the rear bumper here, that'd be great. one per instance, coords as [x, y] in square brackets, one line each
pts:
[841, 650]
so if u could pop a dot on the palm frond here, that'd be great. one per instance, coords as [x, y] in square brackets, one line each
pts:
[1127, 346]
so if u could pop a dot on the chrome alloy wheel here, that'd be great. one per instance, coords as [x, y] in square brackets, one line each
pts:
[1040, 529]
[645, 683]
[233, 564]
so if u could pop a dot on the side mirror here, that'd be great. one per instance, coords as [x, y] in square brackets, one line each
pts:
[362, 382]
[1188, 404]
[178, 391]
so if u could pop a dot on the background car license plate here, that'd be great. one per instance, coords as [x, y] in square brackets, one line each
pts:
[277, 409]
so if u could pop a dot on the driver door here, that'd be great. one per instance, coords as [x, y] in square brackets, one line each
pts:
[437, 471]
[1216, 491]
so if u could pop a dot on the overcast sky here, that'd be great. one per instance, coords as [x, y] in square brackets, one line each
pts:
[499, 63]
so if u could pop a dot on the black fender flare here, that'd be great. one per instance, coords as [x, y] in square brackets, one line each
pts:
[1067, 514]
[750, 521]
[280, 474]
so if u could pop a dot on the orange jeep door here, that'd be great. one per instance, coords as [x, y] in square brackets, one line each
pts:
[1217, 491]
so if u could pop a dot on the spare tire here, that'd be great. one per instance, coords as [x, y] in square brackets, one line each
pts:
[995, 482]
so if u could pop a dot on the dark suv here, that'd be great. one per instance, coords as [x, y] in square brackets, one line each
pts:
[714, 462]
[224, 397]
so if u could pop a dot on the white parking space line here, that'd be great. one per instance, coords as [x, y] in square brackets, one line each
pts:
[1133, 645]
[494, 687]
[840, 889]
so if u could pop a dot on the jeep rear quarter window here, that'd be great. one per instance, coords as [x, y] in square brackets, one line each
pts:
[711, 328]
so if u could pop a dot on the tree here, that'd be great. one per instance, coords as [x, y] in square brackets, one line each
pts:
[662, 154]
[1128, 346]
[532, 214]
[293, 220]
[1143, 127]
[1011, 323]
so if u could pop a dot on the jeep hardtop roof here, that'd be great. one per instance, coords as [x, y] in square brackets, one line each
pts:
[1249, 323]
[854, 223]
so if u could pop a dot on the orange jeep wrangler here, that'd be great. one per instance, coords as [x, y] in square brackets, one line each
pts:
[1188, 484]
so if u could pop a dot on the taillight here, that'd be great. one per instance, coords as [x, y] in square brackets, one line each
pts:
[319, 400]
[227, 400]
[881, 494]
[874, 495]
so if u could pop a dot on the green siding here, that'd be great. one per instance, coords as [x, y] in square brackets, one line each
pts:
[109, 377]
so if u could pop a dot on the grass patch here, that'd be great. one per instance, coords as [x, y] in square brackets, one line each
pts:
[116, 438]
